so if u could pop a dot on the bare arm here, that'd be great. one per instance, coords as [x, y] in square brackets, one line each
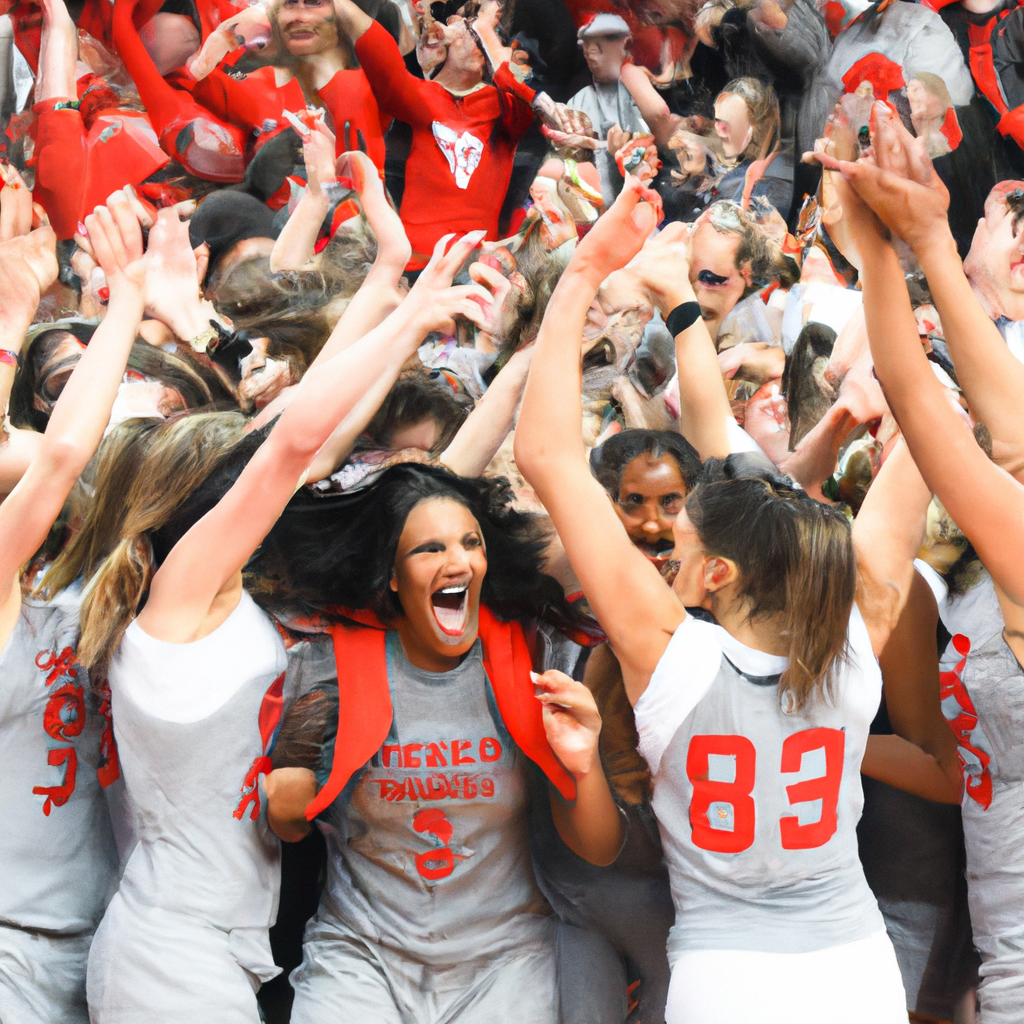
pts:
[910, 672]
[887, 534]
[487, 426]
[81, 414]
[653, 109]
[219, 545]
[624, 589]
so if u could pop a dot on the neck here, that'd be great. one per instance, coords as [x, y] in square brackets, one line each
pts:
[993, 300]
[316, 70]
[762, 634]
[456, 79]
[421, 656]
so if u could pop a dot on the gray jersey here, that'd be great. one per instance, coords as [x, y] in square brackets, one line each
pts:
[757, 807]
[57, 853]
[201, 885]
[983, 701]
[428, 850]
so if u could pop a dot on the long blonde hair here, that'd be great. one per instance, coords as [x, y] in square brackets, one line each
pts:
[180, 455]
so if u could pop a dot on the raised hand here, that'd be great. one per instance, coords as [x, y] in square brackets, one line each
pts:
[251, 29]
[434, 302]
[393, 246]
[620, 233]
[896, 180]
[571, 721]
[115, 235]
[28, 255]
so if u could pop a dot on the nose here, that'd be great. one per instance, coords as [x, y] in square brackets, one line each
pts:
[458, 561]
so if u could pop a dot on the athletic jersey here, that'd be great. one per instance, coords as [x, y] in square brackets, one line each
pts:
[58, 860]
[460, 162]
[982, 687]
[758, 808]
[428, 849]
[204, 849]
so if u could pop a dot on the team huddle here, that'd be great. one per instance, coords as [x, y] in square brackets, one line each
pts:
[511, 512]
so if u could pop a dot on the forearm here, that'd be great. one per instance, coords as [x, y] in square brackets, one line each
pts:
[591, 826]
[899, 763]
[653, 109]
[550, 428]
[58, 55]
[992, 378]
[944, 449]
[487, 426]
[704, 410]
[295, 245]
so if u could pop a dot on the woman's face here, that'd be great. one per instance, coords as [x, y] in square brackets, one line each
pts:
[56, 371]
[652, 493]
[439, 569]
[689, 553]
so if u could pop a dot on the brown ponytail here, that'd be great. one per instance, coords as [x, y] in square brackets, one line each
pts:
[796, 562]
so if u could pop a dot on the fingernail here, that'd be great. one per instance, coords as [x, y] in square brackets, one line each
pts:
[103, 295]
[82, 230]
[535, 677]
[476, 236]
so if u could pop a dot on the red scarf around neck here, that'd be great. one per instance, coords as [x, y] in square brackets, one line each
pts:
[364, 699]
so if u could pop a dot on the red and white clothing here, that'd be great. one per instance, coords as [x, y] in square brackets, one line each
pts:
[460, 162]
[58, 860]
[758, 810]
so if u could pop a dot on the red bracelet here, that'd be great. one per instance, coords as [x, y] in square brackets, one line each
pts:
[10, 358]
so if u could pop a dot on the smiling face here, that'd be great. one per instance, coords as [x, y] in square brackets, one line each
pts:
[307, 27]
[717, 282]
[439, 569]
[995, 264]
[652, 493]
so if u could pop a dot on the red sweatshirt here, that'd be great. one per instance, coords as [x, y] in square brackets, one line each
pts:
[255, 103]
[460, 162]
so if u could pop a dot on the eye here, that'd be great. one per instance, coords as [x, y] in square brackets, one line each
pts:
[710, 279]
[672, 504]
[473, 541]
[430, 547]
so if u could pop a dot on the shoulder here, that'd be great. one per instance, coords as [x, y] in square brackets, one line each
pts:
[683, 676]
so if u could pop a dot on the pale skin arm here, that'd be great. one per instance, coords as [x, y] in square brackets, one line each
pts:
[625, 591]
[379, 294]
[887, 534]
[211, 555]
[487, 426]
[653, 109]
[294, 246]
[58, 54]
[81, 414]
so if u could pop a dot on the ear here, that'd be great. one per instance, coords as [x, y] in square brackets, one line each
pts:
[393, 582]
[719, 573]
[202, 252]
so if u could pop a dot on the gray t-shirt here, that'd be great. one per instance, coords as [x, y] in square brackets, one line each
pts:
[428, 848]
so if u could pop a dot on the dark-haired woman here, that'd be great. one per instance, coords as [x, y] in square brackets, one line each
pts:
[195, 666]
[748, 720]
[418, 767]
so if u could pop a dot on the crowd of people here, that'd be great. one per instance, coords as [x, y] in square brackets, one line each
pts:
[512, 512]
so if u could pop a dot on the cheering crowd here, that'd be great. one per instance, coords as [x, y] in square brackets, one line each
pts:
[512, 512]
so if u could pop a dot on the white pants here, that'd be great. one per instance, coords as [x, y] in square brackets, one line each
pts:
[856, 983]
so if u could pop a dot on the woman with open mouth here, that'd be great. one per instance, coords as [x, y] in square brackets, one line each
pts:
[420, 762]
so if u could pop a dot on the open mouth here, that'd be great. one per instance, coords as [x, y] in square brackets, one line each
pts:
[657, 550]
[451, 605]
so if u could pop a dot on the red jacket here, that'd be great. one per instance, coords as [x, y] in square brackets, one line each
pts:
[460, 162]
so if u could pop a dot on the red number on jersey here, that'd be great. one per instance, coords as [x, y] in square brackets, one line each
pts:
[736, 793]
[824, 788]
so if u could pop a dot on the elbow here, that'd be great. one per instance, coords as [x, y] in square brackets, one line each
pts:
[64, 457]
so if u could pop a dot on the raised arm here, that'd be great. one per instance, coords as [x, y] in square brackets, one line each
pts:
[217, 547]
[887, 534]
[943, 447]
[629, 598]
[81, 414]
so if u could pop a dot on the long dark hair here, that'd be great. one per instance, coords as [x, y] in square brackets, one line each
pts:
[795, 557]
[339, 552]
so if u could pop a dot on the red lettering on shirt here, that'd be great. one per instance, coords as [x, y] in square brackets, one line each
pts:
[436, 786]
[490, 749]
[62, 664]
[59, 795]
[975, 767]
[434, 865]
[64, 715]
[108, 770]
[251, 787]
[435, 756]
[458, 746]
[388, 751]
[409, 760]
